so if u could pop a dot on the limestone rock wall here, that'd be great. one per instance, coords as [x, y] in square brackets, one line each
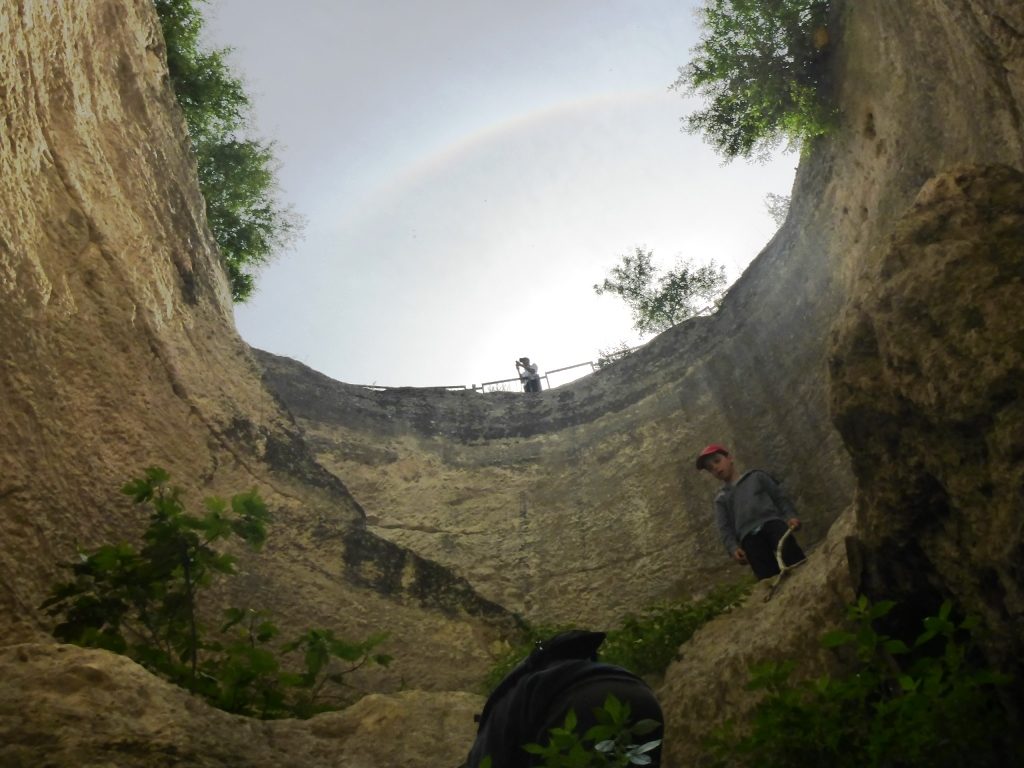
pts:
[139, 721]
[118, 351]
[582, 503]
[533, 498]
[919, 194]
[872, 326]
[928, 385]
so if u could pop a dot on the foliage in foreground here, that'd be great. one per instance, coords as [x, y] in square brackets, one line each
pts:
[925, 704]
[645, 644]
[760, 65]
[146, 604]
[236, 172]
[658, 301]
[611, 743]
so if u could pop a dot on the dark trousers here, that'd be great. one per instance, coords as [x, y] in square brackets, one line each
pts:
[760, 548]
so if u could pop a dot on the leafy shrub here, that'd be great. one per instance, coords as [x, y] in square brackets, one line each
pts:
[236, 172]
[647, 643]
[761, 66]
[146, 604]
[609, 744]
[925, 704]
[606, 357]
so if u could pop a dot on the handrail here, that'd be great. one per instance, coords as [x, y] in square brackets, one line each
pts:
[569, 367]
[481, 387]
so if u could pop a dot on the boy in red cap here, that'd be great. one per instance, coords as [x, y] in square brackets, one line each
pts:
[752, 514]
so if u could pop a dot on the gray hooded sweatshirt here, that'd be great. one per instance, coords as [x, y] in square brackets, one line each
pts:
[744, 506]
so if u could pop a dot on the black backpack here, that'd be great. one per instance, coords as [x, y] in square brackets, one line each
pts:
[562, 673]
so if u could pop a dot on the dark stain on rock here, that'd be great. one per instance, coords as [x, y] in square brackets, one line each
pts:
[401, 574]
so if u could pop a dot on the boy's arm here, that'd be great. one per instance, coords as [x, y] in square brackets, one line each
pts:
[726, 530]
[782, 502]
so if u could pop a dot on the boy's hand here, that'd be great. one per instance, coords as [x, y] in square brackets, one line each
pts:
[740, 556]
[793, 523]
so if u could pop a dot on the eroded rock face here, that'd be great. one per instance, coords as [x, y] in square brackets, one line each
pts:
[928, 392]
[118, 351]
[705, 686]
[62, 706]
[577, 505]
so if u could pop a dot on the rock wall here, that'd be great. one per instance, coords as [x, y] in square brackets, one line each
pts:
[918, 196]
[928, 385]
[582, 503]
[872, 328]
[139, 721]
[118, 351]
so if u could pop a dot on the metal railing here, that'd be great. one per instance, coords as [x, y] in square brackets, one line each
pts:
[514, 384]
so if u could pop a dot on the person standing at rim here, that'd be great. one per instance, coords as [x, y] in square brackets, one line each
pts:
[752, 514]
[528, 374]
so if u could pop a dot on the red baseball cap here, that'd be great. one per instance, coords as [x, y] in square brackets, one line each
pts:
[711, 450]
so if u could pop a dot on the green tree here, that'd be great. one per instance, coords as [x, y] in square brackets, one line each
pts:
[147, 604]
[237, 173]
[658, 301]
[760, 65]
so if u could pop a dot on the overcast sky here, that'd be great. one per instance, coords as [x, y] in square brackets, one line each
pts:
[468, 169]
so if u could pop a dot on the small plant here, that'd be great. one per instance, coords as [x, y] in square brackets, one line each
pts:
[329, 659]
[647, 643]
[778, 207]
[609, 744]
[660, 301]
[147, 604]
[925, 704]
[606, 357]
[761, 66]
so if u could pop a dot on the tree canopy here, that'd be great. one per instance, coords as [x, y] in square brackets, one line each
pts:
[237, 173]
[660, 301]
[760, 64]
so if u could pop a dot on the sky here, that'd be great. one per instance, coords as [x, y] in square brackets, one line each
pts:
[468, 169]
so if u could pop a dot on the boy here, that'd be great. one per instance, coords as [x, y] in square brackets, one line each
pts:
[752, 514]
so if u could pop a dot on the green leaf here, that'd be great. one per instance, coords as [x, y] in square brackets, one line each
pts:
[836, 638]
[908, 683]
[647, 747]
[613, 707]
[644, 727]
[570, 720]
[881, 608]
[895, 647]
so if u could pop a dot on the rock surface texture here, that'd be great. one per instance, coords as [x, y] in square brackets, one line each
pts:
[928, 390]
[130, 719]
[118, 351]
[871, 355]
